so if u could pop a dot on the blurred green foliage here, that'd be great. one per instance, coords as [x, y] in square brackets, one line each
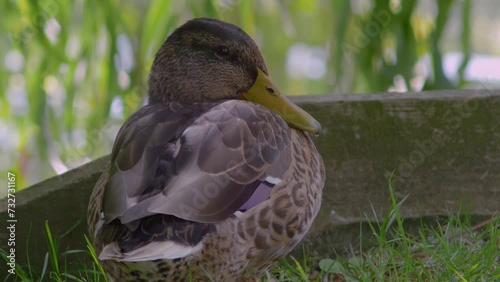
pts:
[74, 70]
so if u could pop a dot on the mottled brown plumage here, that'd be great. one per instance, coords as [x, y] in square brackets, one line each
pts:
[203, 183]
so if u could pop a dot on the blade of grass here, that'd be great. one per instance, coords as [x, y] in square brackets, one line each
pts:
[53, 253]
[94, 257]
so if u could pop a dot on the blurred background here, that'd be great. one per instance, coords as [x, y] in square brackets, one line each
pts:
[72, 71]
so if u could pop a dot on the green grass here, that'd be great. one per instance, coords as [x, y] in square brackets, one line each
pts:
[453, 250]
[55, 267]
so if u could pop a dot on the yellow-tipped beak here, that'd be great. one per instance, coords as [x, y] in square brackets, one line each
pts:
[264, 92]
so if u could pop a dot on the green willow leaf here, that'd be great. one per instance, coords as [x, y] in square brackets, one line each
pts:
[465, 40]
[157, 21]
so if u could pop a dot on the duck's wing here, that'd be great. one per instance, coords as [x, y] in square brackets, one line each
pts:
[197, 163]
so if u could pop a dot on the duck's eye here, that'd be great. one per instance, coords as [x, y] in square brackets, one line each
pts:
[222, 51]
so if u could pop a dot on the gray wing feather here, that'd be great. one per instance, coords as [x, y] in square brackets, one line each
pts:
[199, 163]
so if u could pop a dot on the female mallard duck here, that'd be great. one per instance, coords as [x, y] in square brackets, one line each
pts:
[214, 179]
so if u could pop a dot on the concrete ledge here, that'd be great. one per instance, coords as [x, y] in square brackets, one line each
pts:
[442, 149]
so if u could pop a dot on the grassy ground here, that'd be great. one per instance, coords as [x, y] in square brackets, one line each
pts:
[454, 250]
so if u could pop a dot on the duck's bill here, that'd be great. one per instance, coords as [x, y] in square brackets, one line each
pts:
[265, 93]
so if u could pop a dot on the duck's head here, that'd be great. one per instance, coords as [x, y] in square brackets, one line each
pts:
[210, 60]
